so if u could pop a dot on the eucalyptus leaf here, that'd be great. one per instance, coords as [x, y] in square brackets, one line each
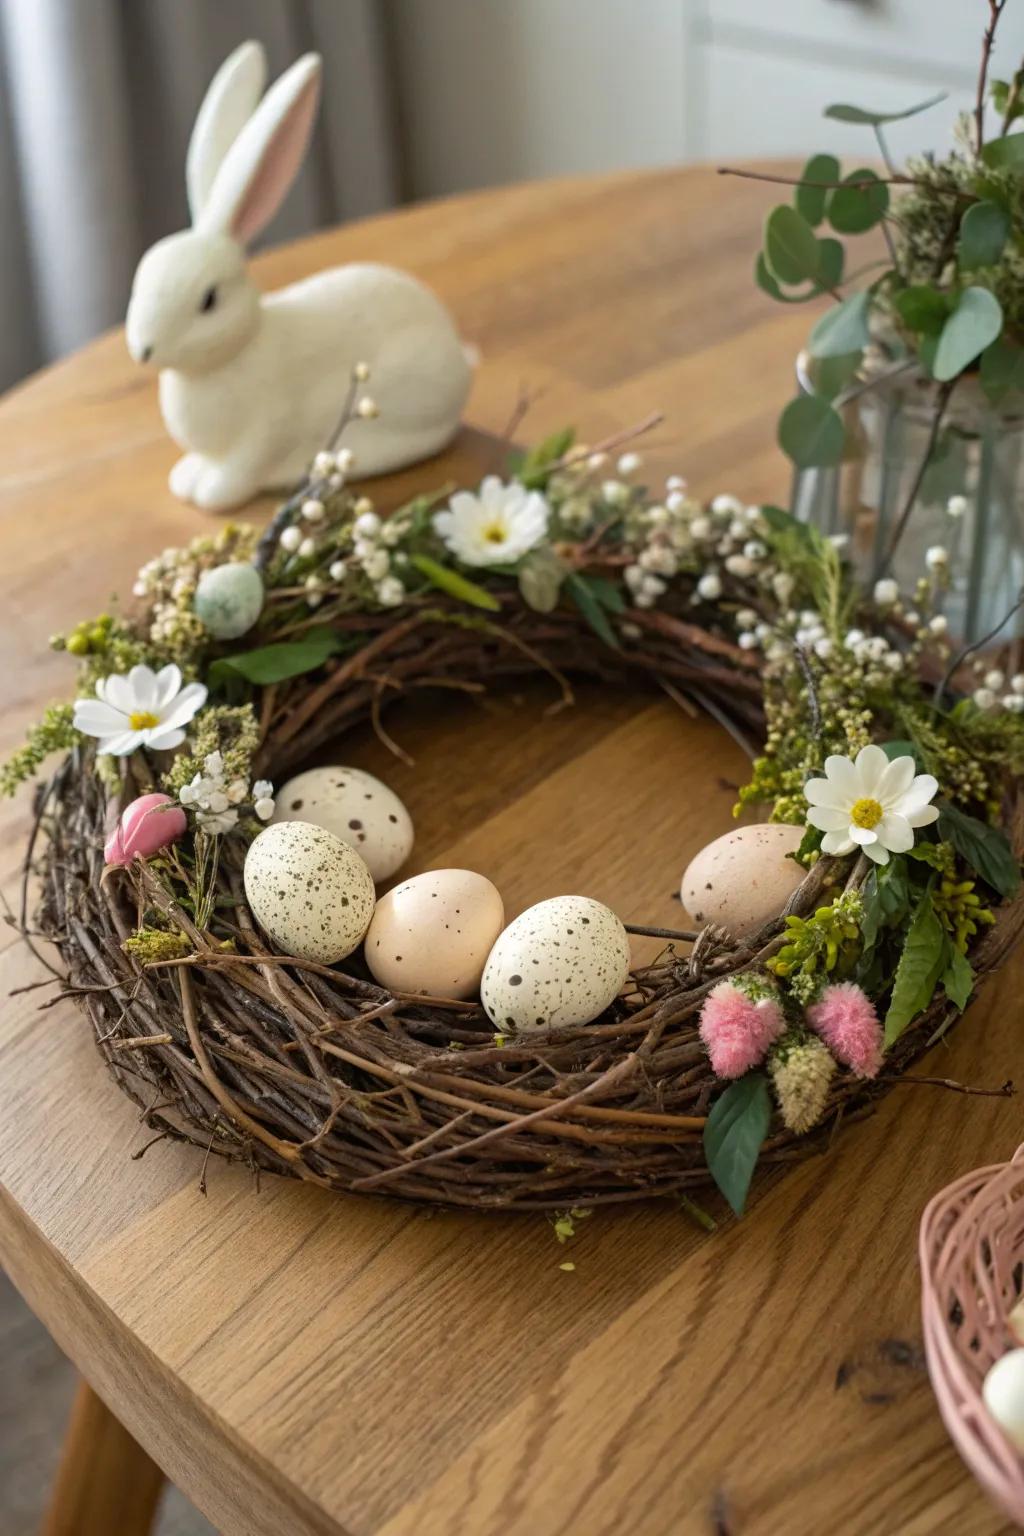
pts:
[984, 229]
[829, 376]
[843, 329]
[791, 247]
[810, 199]
[921, 962]
[859, 204]
[541, 575]
[975, 322]
[811, 432]
[1005, 154]
[923, 308]
[592, 609]
[1001, 369]
[841, 112]
[986, 849]
[447, 580]
[281, 661]
[734, 1134]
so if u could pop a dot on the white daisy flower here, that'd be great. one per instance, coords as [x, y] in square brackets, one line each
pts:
[870, 803]
[143, 709]
[497, 526]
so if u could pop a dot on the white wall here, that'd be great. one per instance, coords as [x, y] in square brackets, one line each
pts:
[506, 90]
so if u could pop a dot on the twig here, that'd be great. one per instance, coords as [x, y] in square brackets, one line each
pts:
[1005, 1091]
[995, 10]
[945, 391]
[975, 645]
[643, 931]
[829, 186]
[812, 692]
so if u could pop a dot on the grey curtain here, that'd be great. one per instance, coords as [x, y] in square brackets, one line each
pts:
[97, 99]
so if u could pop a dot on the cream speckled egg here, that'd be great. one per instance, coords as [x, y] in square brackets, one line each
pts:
[744, 878]
[310, 892]
[560, 963]
[356, 807]
[434, 932]
[1002, 1392]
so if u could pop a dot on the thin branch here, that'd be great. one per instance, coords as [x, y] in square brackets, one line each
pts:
[687, 935]
[827, 186]
[941, 403]
[812, 693]
[975, 645]
[995, 10]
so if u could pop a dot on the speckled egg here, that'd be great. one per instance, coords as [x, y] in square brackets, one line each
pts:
[310, 893]
[558, 964]
[356, 807]
[434, 932]
[744, 878]
[229, 599]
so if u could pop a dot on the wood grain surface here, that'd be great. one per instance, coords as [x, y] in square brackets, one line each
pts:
[300, 1363]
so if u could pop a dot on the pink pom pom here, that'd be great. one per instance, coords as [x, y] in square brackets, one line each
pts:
[847, 1022]
[737, 1029]
[145, 827]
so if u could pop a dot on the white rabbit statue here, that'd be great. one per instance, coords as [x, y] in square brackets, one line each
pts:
[251, 385]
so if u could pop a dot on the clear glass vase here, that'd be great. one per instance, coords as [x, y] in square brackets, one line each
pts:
[905, 487]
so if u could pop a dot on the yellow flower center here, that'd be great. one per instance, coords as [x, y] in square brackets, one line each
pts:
[143, 720]
[866, 813]
[494, 533]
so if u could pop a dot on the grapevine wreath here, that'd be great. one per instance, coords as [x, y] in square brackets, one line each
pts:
[888, 765]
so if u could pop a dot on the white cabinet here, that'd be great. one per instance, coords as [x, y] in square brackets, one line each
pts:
[504, 90]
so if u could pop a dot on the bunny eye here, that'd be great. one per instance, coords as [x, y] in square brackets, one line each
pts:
[208, 301]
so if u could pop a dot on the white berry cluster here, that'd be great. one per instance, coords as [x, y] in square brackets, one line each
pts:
[677, 533]
[217, 804]
[993, 691]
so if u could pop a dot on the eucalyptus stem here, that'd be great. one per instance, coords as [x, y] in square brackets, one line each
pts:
[941, 403]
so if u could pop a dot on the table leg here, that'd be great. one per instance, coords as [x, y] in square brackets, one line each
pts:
[105, 1482]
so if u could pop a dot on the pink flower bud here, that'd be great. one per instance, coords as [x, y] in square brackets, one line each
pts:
[846, 1020]
[739, 1021]
[150, 823]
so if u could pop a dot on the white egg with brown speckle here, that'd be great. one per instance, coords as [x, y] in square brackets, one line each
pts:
[310, 893]
[433, 933]
[744, 878]
[356, 807]
[559, 964]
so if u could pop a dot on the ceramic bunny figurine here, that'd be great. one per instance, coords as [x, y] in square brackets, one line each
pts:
[251, 385]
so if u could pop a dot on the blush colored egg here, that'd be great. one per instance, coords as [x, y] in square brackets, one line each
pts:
[356, 807]
[433, 933]
[229, 599]
[744, 878]
[559, 964]
[146, 825]
[310, 893]
[1002, 1392]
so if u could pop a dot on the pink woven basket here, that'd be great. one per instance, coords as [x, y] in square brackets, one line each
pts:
[971, 1252]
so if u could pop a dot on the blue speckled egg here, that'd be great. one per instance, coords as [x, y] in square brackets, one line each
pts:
[229, 599]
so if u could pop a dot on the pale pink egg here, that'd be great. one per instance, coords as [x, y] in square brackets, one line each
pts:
[150, 823]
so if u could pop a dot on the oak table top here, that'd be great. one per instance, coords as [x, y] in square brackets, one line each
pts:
[304, 1363]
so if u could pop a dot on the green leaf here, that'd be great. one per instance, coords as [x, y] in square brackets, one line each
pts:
[791, 247]
[859, 204]
[607, 592]
[734, 1133]
[830, 258]
[1005, 154]
[958, 979]
[277, 663]
[534, 468]
[592, 610]
[895, 749]
[976, 321]
[918, 971]
[810, 200]
[923, 308]
[811, 432]
[829, 376]
[541, 575]
[983, 232]
[447, 580]
[1002, 369]
[986, 849]
[841, 112]
[843, 329]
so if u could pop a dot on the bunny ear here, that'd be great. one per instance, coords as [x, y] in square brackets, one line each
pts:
[262, 163]
[229, 102]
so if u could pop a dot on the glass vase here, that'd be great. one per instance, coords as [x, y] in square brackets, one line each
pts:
[906, 486]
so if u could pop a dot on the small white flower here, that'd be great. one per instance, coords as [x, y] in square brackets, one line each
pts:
[956, 506]
[870, 803]
[377, 565]
[657, 516]
[323, 464]
[710, 586]
[307, 549]
[853, 639]
[700, 527]
[313, 510]
[143, 709]
[497, 526]
[659, 559]
[291, 538]
[726, 506]
[367, 525]
[887, 592]
[367, 408]
[262, 789]
[614, 493]
[337, 570]
[939, 624]
[984, 698]
[675, 483]
[344, 458]
[675, 501]
[936, 556]
[391, 592]
[893, 660]
[629, 463]
[643, 600]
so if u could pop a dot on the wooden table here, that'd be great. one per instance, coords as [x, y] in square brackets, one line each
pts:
[304, 1364]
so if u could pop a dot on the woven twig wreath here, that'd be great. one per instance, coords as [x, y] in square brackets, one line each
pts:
[315, 1071]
